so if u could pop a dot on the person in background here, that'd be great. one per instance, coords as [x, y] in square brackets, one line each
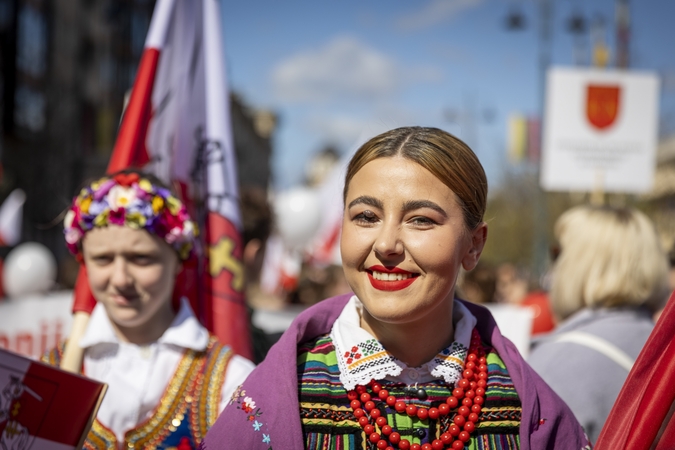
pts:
[478, 285]
[256, 215]
[610, 275]
[400, 363]
[168, 377]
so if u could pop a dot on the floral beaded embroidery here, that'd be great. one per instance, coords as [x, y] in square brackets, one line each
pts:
[365, 355]
[352, 355]
[247, 405]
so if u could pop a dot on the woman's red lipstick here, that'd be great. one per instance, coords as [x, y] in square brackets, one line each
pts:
[385, 285]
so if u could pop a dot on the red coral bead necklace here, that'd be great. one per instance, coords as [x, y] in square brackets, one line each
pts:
[468, 397]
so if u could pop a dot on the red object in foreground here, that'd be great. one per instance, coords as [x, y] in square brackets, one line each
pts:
[640, 418]
[45, 403]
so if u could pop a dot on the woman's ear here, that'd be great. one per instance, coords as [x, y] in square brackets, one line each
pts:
[478, 237]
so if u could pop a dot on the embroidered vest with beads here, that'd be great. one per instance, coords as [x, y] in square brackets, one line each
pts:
[328, 421]
[185, 412]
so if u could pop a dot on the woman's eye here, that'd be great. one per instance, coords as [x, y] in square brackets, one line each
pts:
[422, 221]
[366, 216]
[142, 260]
[102, 260]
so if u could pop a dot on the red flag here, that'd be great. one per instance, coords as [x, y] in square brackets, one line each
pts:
[224, 278]
[177, 126]
[641, 418]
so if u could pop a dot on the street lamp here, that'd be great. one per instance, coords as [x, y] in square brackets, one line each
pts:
[515, 21]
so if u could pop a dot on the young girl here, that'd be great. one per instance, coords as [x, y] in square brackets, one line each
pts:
[167, 377]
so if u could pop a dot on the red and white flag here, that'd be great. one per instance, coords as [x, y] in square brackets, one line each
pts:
[177, 125]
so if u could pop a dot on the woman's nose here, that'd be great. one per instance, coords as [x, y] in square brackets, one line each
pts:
[121, 278]
[388, 242]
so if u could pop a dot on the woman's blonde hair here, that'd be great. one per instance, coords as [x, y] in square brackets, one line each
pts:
[609, 257]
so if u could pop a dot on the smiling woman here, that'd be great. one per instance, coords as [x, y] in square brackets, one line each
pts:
[401, 363]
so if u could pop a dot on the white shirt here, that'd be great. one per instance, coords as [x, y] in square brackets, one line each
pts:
[362, 358]
[138, 375]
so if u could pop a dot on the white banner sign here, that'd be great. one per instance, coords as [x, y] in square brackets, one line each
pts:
[34, 324]
[600, 130]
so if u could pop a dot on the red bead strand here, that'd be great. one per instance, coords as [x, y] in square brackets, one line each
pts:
[468, 395]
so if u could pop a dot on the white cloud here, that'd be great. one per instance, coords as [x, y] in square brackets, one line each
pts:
[348, 129]
[435, 12]
[345, 68]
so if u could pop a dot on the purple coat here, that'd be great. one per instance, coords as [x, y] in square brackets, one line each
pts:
[265, 414]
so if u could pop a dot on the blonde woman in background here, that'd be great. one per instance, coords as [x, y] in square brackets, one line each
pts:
[609, 278]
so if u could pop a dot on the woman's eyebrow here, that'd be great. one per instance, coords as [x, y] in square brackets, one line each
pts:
[366, 200]
[412, 205]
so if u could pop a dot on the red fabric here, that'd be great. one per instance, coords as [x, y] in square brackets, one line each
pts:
[668, 437]
[225, 305]
[540, 306]
[647, 395]
[187, 285]
[84, 300]
[130, 148]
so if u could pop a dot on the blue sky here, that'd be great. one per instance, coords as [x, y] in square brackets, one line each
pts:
[337, 71]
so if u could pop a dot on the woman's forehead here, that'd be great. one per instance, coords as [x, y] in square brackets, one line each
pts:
[396, 174]
[120, 238]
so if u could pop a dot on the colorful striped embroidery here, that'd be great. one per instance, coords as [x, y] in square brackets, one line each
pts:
[329, 423]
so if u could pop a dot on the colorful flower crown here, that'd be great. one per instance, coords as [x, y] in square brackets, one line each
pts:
[133, 201]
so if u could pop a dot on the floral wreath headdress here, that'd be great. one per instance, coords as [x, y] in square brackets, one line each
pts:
[130, 200]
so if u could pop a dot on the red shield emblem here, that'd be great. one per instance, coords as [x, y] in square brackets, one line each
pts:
[602, 105]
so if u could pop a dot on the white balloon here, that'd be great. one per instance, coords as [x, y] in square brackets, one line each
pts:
[298, 214]
[30, 268]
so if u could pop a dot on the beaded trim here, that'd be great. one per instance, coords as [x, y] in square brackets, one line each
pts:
[214, 370]
[171, 409]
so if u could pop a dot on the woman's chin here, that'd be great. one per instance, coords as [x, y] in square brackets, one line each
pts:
[392, 317]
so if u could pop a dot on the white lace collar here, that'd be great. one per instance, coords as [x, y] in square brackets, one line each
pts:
[362, 358]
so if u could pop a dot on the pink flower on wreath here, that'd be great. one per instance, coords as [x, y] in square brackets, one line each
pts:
[117, 216]
[73, 236]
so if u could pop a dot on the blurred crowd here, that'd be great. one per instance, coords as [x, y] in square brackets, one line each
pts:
[608, 281]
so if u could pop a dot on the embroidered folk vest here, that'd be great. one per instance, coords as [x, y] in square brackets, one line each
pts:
[185, 412]
[328, 421]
